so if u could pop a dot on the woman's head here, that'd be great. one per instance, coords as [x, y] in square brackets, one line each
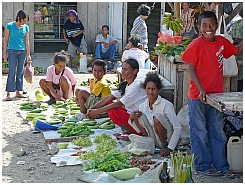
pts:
[22, 17]
[135, 41]
[130, 68]
[152, 85]
[60, 59]
[72, 16]
[185, 5]
[144, 10]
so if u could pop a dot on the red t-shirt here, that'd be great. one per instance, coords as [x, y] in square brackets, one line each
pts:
[207, 57]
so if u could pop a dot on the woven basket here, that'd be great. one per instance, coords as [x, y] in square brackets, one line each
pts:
[5, 70]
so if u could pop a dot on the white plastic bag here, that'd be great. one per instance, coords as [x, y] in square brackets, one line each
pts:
[140, 145]
[229, 66]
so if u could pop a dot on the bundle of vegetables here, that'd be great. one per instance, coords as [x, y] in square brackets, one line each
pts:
[74, 130]
[39, 70]
[177, 160]
[5, 65]
[170, 49]
[82, 141]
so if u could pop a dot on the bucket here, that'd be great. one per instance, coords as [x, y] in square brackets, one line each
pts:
[83, 64]
[234, 153]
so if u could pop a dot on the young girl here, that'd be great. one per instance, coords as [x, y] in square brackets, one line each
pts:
[16, 49]
[60, 81]
[129, 96]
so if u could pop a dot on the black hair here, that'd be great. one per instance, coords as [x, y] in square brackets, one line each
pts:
[144, 10]
[135, 40]
[3, 28]
[22, 14]
[134, 65]
[105, 26]
[207, 14]
[99, 62]
[60, 56]
[152, 76]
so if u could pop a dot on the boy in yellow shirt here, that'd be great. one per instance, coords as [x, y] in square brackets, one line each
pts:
[100, 90]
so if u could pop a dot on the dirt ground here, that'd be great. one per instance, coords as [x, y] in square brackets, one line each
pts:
[35, 165]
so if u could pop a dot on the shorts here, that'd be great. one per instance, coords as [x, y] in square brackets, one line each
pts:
[92, 100]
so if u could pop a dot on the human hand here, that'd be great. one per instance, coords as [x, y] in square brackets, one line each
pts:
[91, 114]
[5, 58]
[202, 96]
[28, 59]
[106, 45]
[135, 114]
[67, 41]
[165, 152]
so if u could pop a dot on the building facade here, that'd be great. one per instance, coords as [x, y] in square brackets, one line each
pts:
[47, 18]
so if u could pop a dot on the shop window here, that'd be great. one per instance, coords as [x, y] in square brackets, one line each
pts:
[49, 19]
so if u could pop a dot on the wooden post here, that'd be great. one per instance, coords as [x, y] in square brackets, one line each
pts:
[177, 14]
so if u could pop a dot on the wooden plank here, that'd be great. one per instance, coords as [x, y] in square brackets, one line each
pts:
[63, 139]
[226, 101]
[233, 84]
[186, 85]
[226, 84]
[179, 91]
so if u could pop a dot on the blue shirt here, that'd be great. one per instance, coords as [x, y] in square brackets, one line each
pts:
[17, 36]
[72, 28]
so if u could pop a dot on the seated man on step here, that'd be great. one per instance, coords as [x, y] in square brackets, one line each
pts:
[105, 45]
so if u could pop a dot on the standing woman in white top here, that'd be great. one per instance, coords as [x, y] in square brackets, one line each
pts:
[156, 117]
[139, 25]
[188, 25]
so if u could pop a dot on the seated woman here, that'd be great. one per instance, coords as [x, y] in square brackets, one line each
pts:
[60, 81]
[156, 117]
[134, 49]
[128, 96]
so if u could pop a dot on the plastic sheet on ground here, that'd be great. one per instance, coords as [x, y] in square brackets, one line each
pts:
[151, 176]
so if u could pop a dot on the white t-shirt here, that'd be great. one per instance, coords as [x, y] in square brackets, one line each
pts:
[166, 108]
[100, 38]
[136, 54]
[133, 97]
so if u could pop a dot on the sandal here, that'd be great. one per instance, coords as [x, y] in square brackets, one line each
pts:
[20, 96]
[230, 174]
[8, 98]
[210, 172]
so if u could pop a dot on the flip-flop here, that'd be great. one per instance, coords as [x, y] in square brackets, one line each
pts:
[20, 96]
[210, 172]
[230, 174]
[8, 98]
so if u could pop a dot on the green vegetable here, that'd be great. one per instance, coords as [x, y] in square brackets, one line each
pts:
[88, 122]
[33, 115]
[5, 65]
[82, 141]
[104, 121]
[62, 145]
[126, 174]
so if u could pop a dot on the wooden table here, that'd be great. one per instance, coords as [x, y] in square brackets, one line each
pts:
[226, 101]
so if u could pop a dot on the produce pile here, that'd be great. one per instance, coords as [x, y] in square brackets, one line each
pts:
[104, 154]
[175, 50]
[173, 23]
